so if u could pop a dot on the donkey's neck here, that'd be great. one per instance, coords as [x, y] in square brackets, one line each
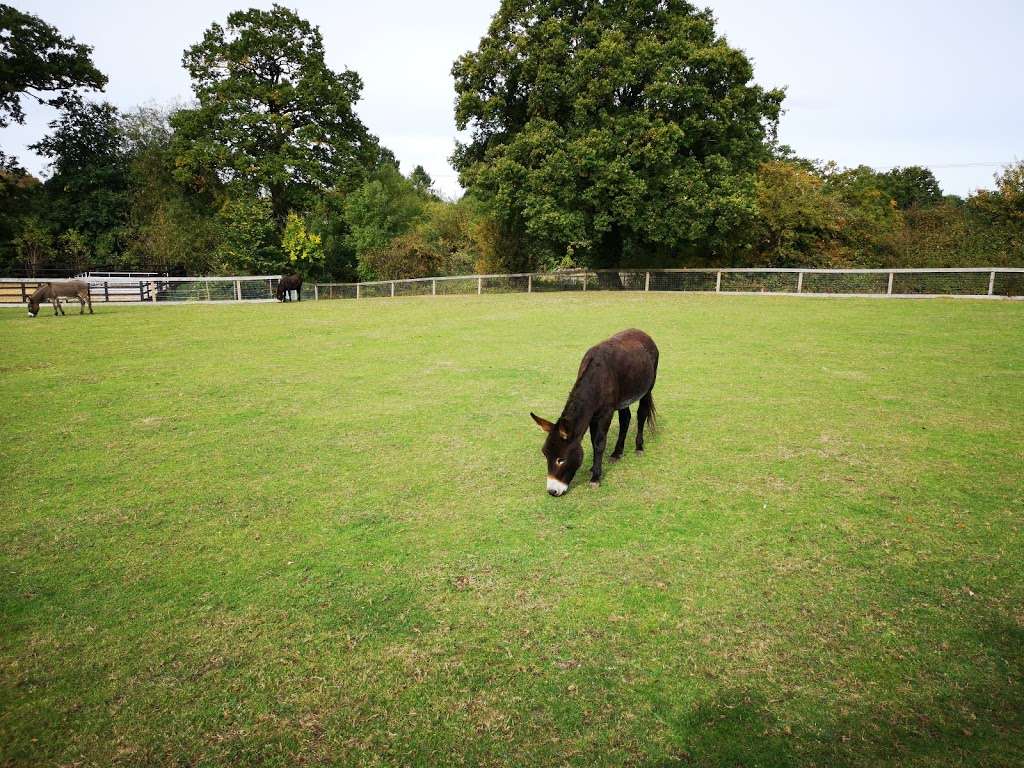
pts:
[581, 405]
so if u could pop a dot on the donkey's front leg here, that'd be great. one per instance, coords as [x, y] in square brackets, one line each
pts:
[598, 439]
[623, 429]
[56, 307]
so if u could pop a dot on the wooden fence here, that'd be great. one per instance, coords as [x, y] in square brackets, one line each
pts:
[968, 282]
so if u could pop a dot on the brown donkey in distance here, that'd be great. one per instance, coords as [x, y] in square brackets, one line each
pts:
[613, 375]
[54, 292]
[286, 285]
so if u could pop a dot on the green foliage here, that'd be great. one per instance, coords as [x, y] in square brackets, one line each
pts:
[1009, 202]
[810, 215]
[247, 237]
[303, 247]
[604, 128]
[421, 181]
[869, 220]
[452, 230]
[912, 186]
[174, 227]
[88, 190]
[327, 219]
[441, 242]
[997, 216]
[19, 198]
[405, 256]
[603, 133]
[36, 59]
[382, 208]
[272, 118]
[34, 245]
[796, 220]
[74, 250]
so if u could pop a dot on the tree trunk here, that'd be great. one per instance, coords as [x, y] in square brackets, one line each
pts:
[279, 205]
[609, 256]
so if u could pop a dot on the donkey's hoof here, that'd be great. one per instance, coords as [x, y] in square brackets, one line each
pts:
[595, 483]
[615, 457]
[639, 451]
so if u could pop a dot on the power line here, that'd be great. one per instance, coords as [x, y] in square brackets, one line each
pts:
[967, 165]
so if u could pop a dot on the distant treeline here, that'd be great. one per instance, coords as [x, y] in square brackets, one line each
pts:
[602, 134]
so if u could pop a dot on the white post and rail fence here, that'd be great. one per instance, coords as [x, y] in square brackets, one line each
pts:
[966, 282]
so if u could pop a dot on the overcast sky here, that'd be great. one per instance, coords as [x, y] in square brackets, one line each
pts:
[902, 82]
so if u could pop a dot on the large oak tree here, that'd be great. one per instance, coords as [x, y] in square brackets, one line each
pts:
[611, 129]
[272, 117]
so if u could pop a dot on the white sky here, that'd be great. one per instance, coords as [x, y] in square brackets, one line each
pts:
[928, 82]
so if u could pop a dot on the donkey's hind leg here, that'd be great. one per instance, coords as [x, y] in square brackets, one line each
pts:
[620, 442]
[643, 413]
[88, 298]
[81, 305]
[57, 309]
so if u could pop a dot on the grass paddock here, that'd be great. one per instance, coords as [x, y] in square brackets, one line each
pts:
[317, 533]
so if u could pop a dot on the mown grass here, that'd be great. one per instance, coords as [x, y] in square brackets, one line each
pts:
[317, 533]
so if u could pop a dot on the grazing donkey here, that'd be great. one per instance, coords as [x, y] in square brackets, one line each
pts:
[286, 285]
[53, 292]
[613, 375]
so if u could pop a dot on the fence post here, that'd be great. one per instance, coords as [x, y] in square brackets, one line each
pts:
[889, 289]
[24, 296]
[584, 281]
[991, 282]
[800, 282]
[316, 292]
[433, 286]
[392, 289]
[529, 283]
[647, 282]
[358, 292]
[718, 283]
[142, 293]
[238, 290]
[106, 291]
[479, 286]
[152, 291]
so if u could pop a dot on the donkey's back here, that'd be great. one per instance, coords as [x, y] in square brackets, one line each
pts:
[625, 366]
[64, 288]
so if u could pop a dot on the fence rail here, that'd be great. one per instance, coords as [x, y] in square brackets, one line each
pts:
[972, 282]
[967, 282]
[157, 289]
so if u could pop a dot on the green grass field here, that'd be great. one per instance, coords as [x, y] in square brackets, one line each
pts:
[318, 534]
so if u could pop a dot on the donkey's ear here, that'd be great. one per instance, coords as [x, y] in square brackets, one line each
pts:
[564, 429]
[544, 424]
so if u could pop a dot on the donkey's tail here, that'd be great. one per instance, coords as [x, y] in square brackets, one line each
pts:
[652, 414]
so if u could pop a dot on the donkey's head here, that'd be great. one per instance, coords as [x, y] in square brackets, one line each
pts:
[33, 306]
[563, 452]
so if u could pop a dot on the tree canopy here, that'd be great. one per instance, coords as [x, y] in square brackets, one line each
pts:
[88, 190]
[604, 127]
[272, 117]
[37, 61]
[912, 185]
[603, 133]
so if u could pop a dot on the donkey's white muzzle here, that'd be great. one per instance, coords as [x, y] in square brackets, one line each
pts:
[556, 487]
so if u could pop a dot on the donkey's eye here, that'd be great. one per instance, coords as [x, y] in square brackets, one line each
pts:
[559, 462]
